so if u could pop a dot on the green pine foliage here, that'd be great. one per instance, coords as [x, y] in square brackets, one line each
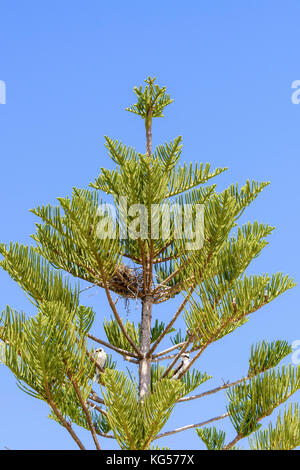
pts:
[285, 435]
[212, 438]
[52, 353]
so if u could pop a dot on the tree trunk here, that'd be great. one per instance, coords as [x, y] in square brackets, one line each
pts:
[145, 363]
[147, 300]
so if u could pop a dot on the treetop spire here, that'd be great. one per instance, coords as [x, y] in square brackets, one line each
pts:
[151, 101]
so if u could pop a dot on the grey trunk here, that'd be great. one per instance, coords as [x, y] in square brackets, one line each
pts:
[145, 364]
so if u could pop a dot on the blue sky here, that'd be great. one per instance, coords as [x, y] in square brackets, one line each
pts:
[69, 69]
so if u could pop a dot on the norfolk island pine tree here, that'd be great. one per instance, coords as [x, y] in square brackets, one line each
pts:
[52, 353]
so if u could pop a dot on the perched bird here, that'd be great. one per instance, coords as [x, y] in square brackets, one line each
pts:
[101, 358]
[266, 295]
[185, 359]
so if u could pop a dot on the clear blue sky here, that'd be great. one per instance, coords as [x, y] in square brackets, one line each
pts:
[69, 69]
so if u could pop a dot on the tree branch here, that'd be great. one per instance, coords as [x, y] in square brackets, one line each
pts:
[216, 334]
[171, 323]
[233, 442]
[186, 344]
[157, 253]
[62, 419]
[266, 413]
[94, 397]
[170, 277]
[103, 434]
[86, 411]
[123, 352]
[94, 406]
[191, 426]
[117, 317]
[214, 390]
[136, 260]
[163, 358]
[176, 346]
[164, 260]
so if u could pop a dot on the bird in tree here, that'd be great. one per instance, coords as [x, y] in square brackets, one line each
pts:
[101, 358]
[169, 237]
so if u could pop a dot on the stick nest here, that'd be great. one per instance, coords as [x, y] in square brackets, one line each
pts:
[128, 283]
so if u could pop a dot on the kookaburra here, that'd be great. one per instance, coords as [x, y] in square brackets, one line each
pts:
[185, 359]
[101, 358]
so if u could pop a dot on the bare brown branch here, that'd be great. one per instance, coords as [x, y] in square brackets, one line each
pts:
[191, 426]
[123, 352]
[85, 410]
[63, 421]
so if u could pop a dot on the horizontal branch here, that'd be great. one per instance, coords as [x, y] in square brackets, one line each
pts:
[166, 351]
[136, 260]
[213, 390]
[163, 358]
[130, 359]
[103, 434]
[164, 260]
[191, 426]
